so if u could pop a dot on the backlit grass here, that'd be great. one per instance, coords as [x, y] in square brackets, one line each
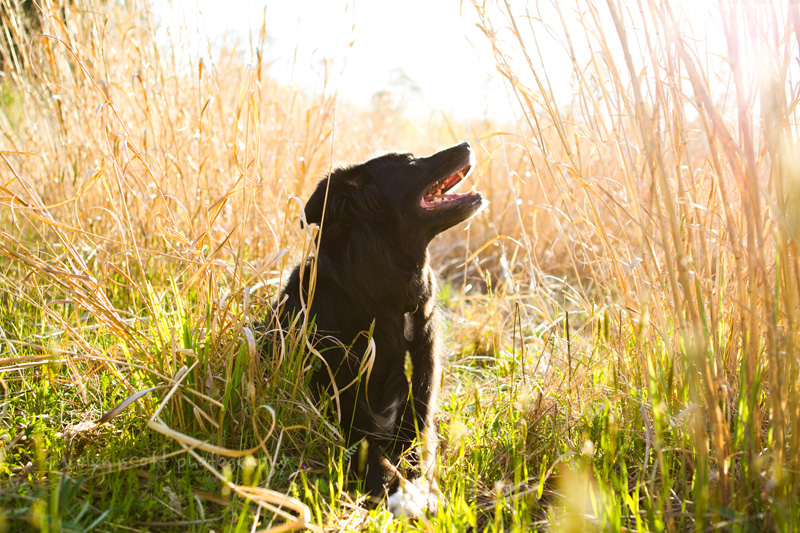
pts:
[622, 322]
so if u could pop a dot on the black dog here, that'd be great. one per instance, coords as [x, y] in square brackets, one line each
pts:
[372, 284]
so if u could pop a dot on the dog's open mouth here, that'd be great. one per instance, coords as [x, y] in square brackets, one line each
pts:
[434, 197]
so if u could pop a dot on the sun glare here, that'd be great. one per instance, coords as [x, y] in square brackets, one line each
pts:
[422, 54]
[420, 50]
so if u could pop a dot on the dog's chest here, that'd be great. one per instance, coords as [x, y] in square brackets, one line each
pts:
[408, 327]
[418, 324]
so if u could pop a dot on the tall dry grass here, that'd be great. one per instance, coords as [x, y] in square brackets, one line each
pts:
[640, 248]
[666, 189]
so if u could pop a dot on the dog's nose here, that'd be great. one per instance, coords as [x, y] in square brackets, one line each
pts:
[465, 144]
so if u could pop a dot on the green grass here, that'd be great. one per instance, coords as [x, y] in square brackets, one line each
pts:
[622, 324]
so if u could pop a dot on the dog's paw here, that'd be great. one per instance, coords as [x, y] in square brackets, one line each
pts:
[407, 501]
[412, 500]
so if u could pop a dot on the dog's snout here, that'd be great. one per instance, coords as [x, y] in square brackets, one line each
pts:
[457, 150]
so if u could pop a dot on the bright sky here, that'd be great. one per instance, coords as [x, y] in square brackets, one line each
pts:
[434, 44]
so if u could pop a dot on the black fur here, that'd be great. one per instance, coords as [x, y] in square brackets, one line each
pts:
[372, 274]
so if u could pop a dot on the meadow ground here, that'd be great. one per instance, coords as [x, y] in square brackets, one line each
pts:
[622, 340]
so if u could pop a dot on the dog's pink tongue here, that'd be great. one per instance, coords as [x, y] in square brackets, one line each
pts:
[440, 200]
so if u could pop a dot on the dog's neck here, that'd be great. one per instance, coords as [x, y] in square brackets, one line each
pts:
[406, 284]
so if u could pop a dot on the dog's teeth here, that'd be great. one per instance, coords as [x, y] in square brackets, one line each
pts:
[474, 190]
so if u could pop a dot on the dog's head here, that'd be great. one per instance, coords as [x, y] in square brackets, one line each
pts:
[398, 194]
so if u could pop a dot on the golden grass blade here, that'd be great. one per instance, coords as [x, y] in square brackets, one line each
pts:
[120, 407]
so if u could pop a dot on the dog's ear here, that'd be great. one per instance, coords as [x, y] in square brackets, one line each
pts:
[315, 204]
[339, 187]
